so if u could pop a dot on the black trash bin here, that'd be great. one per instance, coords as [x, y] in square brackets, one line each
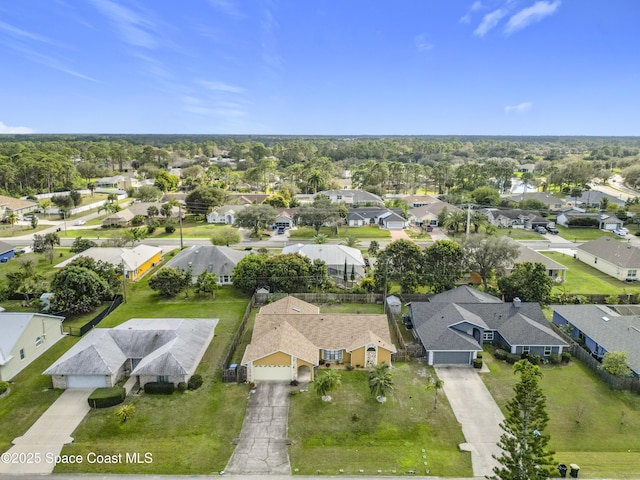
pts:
[574, 470]
[562, 468]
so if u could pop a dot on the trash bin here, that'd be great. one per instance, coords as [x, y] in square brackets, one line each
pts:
[562, 468]
[574, 470]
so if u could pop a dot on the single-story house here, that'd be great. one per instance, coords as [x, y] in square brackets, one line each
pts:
[555, 270]
[427, 215]
[527, 168]
[515, 218]
[353, 197]
[165, 350]
[613, 257]
[142, 208]
[135, 261]
[208, 258]
[7, 252]
[118, 219]
[390, 218]
[290, 340]
[225, 214]
[285, 218]
[122, 182]
[23, 338]
[453, 333]
[17, 206]
[552, 203]
[335, 256]
[415, 201]
[248, 198]
[602, 329]
[593, 199]
[603, 221]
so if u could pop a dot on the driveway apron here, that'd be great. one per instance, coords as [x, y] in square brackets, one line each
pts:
[262, 447]
[477, 412]
[45, 439]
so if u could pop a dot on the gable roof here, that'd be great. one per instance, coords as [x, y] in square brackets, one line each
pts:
[5, 247]
[527, 254]
[283, 338]
[514, 214]
[359, 196]
[16, 203]
[464, 294]
[12, 326]
[207, 258]
[121, 215]
[137, 256]
[543, 197]
[433, 209]
[132, 257]
[595, 196]
[165, 347]
[328, 253]
[613, 251]
[618, 333]
[420, 198]
[289, 305]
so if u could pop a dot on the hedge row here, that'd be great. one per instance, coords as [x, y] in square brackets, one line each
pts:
[157, 387]
[106, 397]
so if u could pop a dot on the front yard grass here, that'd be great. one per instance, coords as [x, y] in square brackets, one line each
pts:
[354, 432]
[520, 234]
[360, 233]
[584, 279]
[590, 424]
[188, 433]
[583, 234]
[42, 265]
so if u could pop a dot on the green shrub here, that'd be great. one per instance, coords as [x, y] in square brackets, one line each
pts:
[137, 220]
[107, 397]
[125, 412]
[4, 386]
[534, 359]
[512, 358]
[349, 367]
[182, 386]
[157, 387]
[477, 363]
[479, 355]
[566, 357]
[195, 382]
[554, 359]
[501, 354]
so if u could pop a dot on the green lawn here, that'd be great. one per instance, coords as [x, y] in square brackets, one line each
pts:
[358, 232]
[19, 230]
[583, 234]
[31, 394]
[418, 235]
[359, 308]
[519, 234]
[190, 229]
[42, 265]
[187, 433]
[354, 432]
[590, 424]
[582, 278]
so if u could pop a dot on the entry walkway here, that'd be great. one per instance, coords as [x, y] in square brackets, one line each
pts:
[477, 412]
[262, 447]
[48, 435]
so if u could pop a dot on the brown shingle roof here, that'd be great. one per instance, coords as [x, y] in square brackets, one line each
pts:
[283, 338]
[289, 305]
[16, 204]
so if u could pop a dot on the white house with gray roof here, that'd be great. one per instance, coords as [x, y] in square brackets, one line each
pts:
[23, 338]
[353, 197]
[208, 258]
[335, 256]
[616, 258]
[166, 350]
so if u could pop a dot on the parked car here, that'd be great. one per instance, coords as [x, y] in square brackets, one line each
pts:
[552, 230]
[540, 230]
[80, 222]
[621, 232]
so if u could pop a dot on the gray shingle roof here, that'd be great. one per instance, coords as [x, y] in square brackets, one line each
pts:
[359, 196]
[464, 294]
[614, 251]
[207, 258]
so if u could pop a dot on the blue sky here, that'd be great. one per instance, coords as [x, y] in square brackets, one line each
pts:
[332, 67]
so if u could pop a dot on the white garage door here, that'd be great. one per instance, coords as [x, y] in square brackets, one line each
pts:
[86, 381]
[272, 372]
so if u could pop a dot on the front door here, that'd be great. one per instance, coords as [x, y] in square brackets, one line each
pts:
[371, 357]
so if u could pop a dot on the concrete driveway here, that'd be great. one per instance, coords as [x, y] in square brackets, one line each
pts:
[478, 414]
[262, 447]
[45, 439]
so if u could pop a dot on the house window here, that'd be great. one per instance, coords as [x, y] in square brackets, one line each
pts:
[632, 273]
[334, 355]
[547, 351]
[22, 354]
[39, 341]
[526, 350]
[487, 336]
[162, 379]
[339, 197]
[595, 260]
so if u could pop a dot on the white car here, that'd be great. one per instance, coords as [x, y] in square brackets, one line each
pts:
[621, 232]
[80, 222]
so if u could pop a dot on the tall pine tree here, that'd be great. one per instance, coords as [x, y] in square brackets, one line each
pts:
[525, 456]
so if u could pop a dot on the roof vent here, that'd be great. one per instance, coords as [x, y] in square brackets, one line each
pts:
[295, 309]
[517, 302]
[606, 319]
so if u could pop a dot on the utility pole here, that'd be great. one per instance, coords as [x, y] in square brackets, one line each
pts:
[180, 220]
[468, 230]
[124, 283]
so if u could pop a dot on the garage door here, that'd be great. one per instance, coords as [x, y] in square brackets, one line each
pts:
[86, 381]
[451, 358]
[272, 372]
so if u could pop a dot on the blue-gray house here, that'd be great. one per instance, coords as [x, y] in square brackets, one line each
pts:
[6, 252]
[603, 329]
[453, 326]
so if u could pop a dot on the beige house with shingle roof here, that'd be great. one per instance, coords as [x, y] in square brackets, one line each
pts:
[9, 205]
[291, 338]
[613, 257]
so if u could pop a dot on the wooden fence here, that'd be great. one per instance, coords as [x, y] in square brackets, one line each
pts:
[235, 374]
[320, 298]
[616, 383]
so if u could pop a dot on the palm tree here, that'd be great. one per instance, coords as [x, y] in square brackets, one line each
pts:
[92, 187]
[454, 220]
[320, 238]
[152, 211]
[380, 382]
[327, 383]
[351, 241]
[436, 384]
[315, 179]
[478, 220]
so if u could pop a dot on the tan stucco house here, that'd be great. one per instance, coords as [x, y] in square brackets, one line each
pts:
[23, 338]
[291, 339]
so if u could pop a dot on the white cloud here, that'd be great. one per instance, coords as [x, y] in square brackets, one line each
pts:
[134, 28]
[221, 86]
[529, 15]
[477, 5]
[489, 21]
[520, 108]
[6, 129]
[422, 43]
